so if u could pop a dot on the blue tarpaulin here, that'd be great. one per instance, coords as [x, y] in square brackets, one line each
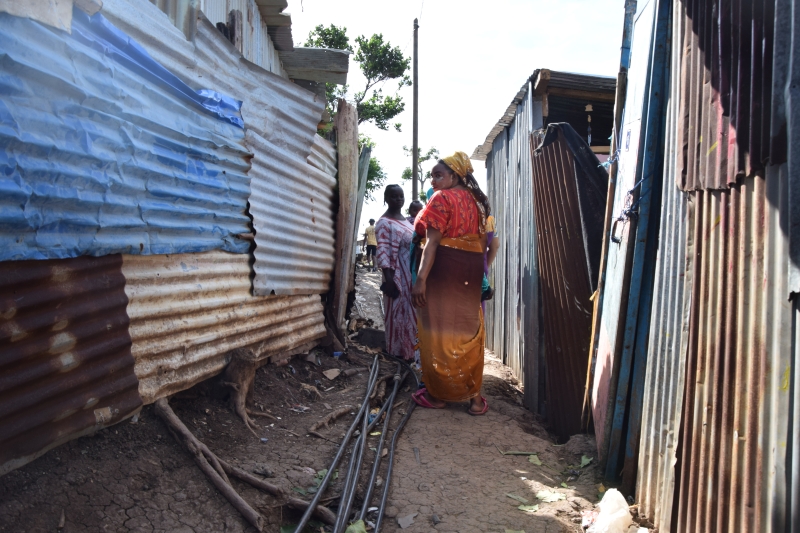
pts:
[103, 150]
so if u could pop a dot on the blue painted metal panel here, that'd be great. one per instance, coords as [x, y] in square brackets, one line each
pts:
[622, 230]
[637, 320]
[103, 150]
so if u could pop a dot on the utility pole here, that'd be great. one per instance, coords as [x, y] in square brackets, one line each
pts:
[415, 142]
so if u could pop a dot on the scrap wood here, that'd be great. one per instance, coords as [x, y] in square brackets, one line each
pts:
[381, 380]
[330, 418]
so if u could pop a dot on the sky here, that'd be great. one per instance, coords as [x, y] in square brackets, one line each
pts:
[473, 58]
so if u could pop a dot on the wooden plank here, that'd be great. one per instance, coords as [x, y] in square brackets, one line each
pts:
[281, 37]
[317, 64]
[581, 95]
[541, 82]
[347, 151]
[275, 6]
[277, 19]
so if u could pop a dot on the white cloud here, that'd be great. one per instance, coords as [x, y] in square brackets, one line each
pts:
[474, 57]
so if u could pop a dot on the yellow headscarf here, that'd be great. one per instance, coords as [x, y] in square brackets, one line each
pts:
[459, 163]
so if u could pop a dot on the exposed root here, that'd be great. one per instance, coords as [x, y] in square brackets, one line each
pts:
[321, 512]
[258, 413]
[218, 471]
[328, 419]
[381, 382]
[239, 376]
[205, 459]
[311, 389]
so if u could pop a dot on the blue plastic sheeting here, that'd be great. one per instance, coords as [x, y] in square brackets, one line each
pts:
[102, 150]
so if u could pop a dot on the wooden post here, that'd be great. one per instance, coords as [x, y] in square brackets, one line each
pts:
[235, 28]
[347, 151]
[415, 141]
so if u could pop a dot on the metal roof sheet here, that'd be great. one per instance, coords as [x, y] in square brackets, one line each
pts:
[189, 311]
[563, 80]
[94, 164]
[296, 196]
[66, 368]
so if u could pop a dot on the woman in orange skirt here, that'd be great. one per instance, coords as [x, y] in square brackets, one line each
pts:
[447, 292]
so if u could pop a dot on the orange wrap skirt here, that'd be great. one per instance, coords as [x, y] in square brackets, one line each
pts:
[450, 326]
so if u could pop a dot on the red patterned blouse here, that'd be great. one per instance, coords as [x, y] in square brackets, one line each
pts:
[451, 211]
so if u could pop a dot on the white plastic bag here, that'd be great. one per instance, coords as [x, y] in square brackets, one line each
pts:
[614, 516]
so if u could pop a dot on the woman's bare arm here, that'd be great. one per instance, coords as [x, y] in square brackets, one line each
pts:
[493, 247]
[433, 237]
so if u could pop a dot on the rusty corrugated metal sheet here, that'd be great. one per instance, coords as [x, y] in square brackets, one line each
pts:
[189, 311]
[569, 197]
[296, 196]
[735, 418]
[665, 373]
[725, 91]
[65, 354]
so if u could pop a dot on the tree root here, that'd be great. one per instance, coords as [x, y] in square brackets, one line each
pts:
[381, 383]
[218, 471]
[328, 419]
[239, 376]
[205, 459]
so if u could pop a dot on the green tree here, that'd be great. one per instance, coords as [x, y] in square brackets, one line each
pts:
[422, 178]
[376, 176]
[379, 62]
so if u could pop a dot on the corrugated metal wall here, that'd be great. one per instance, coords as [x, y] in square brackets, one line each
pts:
[569, 199]
[65, 354]
[734, 329]
[513, 314]
[189, 311]
[256, 43]
[738, 363]
[669, 328]
[296, 196]
[273, 107]
[96, 164]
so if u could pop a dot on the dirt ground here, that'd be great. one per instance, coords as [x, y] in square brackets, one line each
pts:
[135, 477]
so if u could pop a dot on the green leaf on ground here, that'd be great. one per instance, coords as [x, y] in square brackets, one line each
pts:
[300, 490]
[514, 531]
[374, 433]
[512, 452]
[356, 527]
[585, 461]
[565, 485]
[549, 496]
[518, 498]
[528, 508]
[535, 460]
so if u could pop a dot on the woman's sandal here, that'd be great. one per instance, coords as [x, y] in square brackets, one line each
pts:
[420, 399]
[482, 411]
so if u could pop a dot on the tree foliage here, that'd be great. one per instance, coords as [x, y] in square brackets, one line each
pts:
[379, 62]
[376, 176]
[422, 178]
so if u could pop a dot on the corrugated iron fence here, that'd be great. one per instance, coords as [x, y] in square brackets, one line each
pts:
[716, 451]
[513, 331]
[160, 168]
